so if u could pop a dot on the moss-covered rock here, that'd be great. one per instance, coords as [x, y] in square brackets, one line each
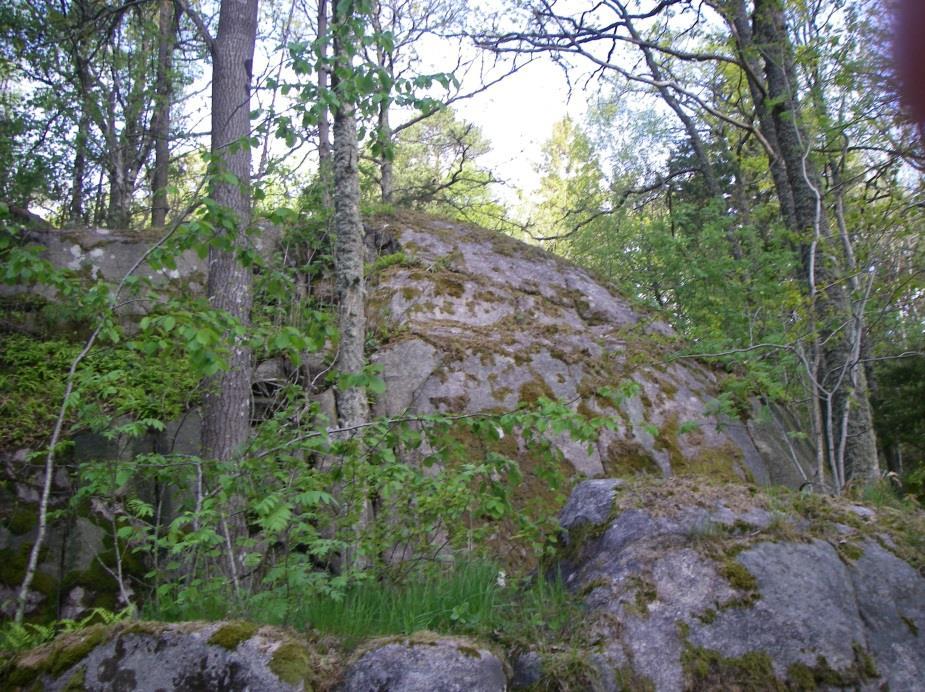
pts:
[147, 655]
[697, 585]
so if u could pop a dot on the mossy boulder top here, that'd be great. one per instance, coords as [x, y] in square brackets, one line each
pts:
[470, 320]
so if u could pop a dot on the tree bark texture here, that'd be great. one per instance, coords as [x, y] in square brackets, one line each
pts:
[352, 406]
[226, 420]
[160, 126]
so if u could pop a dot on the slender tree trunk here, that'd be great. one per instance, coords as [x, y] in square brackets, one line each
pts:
[352, 406]
[226, 420]
[325, 158]
[118, 214]
[160, 126]
[384, 133]
[76, 208]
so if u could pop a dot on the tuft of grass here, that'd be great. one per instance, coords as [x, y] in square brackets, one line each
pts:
[471, 598]
[466, 598]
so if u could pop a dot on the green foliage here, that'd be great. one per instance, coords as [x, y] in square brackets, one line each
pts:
[466, 596]
[116, 381]
[15, 637]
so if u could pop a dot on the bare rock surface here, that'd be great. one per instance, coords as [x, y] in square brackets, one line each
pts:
[693, 587]
[426, 664]
[470, 320]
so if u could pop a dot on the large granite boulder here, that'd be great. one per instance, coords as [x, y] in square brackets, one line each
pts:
[694, 586]
[188, 657]
[470, 320]
[425, 663]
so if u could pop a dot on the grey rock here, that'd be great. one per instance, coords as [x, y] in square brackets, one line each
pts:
[109, 254]
[590, 503]
[806, 609]
[439, 665]
[651, 595]
[891, 603]
[527, 670]
[406, 366]
[84, 543]
[484, 322]
[179, 658]
[865, 513]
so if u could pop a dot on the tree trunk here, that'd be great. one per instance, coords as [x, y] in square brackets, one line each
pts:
[160, 126]
[352, 406]
[76, 209]
[852, 443]
[738, 18]
[384, 133]
[226, 420]
[325, 165]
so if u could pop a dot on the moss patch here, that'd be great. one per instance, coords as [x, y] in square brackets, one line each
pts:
[533, 391]
[625, 459]
[822, 675]
[22, 520]
[230, 635]
[738, 575]
[291, 663]
[645, 595]
[706, 669]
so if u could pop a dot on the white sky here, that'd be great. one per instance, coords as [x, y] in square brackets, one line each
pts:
[517, 117]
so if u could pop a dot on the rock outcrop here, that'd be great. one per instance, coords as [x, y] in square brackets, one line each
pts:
[471, 320]
[694, 586]
[188, 657]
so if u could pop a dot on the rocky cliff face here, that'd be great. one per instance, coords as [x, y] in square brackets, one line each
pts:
[470, 320]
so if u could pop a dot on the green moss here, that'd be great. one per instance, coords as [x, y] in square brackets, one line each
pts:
[625, 459]
[646, 594]
[449, 284]
[864, 663]
[849, 552]
[628, 679]
[533, 391]
[22, 520]
[55, 658]
[410, 292]
[570, 669]
[708, 669]
[77, 682]
[230, 635]
[708, 616]
[74, 649]
[386, 261]
[291, 663]
[738, 575]
[13, 569]
[822, 675]
[911, 625]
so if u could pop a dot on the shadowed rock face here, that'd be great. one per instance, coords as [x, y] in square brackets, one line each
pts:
[472, 320]
[695, 587]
